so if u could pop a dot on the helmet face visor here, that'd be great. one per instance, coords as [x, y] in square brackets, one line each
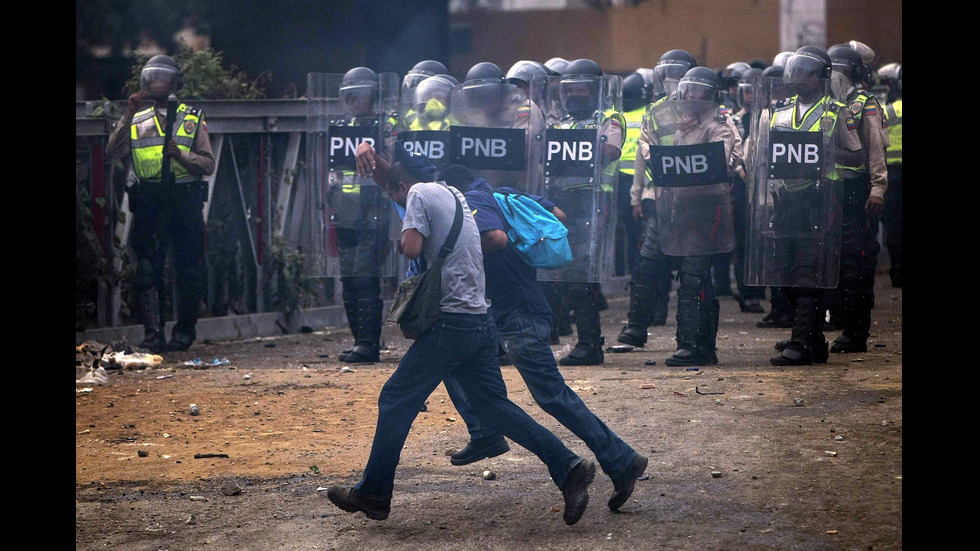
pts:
[801, 68]
[413, 79]
[159, 82]
[579, 95]
[802, 74]
[358, 96]
[667, 73]
[694, 90]
[432, 97]
[483, 94]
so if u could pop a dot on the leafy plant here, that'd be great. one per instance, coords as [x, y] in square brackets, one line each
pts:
[206, 78]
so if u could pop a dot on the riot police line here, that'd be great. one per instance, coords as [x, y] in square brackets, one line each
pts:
[545, 131]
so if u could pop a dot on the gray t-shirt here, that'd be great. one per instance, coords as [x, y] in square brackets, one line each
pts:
[430, 209]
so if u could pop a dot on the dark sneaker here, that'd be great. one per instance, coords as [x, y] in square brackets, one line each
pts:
[482, 448]
[576, 491]
[348, 500]
[752, 306]
[623, 484]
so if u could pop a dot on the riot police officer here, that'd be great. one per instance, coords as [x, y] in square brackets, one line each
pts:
[589, 201]
[636, 96]
[421, 71]
[650, 279]
[891, 217]
[863, 174]
[748, 296]
[695, 221]
[361, 215]
[166, 200]
[802, 256]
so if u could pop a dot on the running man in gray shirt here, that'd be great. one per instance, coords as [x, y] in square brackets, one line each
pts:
[462, 342]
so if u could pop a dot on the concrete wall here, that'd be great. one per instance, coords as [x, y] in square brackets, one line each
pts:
[717, 32]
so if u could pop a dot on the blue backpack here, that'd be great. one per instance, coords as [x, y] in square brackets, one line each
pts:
[540, 238]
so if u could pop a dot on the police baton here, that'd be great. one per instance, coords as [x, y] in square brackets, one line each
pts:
[167, 175]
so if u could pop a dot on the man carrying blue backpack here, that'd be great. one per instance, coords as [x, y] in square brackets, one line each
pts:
[523, 318]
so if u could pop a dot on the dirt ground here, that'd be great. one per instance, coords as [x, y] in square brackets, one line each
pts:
[743, 455]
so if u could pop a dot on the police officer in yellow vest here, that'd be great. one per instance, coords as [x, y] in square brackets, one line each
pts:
[891, 76]
[165, 210]
[810, 109]
[863, 173]
[580, 92]
[361, 220]
[636, 96]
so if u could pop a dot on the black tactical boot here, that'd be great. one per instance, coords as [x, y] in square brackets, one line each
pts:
[807, 334]
[146, 307]
[368, 345]
[588, 350]
[690, 327]
[642, 298]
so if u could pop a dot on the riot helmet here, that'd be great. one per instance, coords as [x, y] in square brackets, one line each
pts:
[890, 75]
[865, 51]
[634, 92]
[432, 97]
[672, 66]
[773, 77]
[699, 84]
[484, 87]
[522, 72]
[745, 86]
[649, 91]
[358, 90]
[781, 59]
[804, 69]
[732, 74]
[557, 64]
[421, 71]
[161, 77]
[579, 88]
[848, 69]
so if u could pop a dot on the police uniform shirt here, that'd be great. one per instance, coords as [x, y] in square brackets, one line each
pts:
[198, 161]
[864, 141]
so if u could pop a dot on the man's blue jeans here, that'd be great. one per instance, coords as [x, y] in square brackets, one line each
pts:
[464, 346]
[525, 335]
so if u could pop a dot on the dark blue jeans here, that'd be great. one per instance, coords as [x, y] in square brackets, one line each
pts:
[465, 347]
[525, 335]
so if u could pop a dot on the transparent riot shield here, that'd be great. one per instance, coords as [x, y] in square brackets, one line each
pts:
[794, 199]
[581, 172]
[690, 178]
[425, 120]
[353, 221]
[497, 130]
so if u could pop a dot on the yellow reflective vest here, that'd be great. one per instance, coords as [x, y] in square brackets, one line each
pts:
[820, 117]
[634, 122]
[610, 172]
[894, 151]
[147, 136]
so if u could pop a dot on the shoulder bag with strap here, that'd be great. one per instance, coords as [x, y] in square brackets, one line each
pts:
[416, 304]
